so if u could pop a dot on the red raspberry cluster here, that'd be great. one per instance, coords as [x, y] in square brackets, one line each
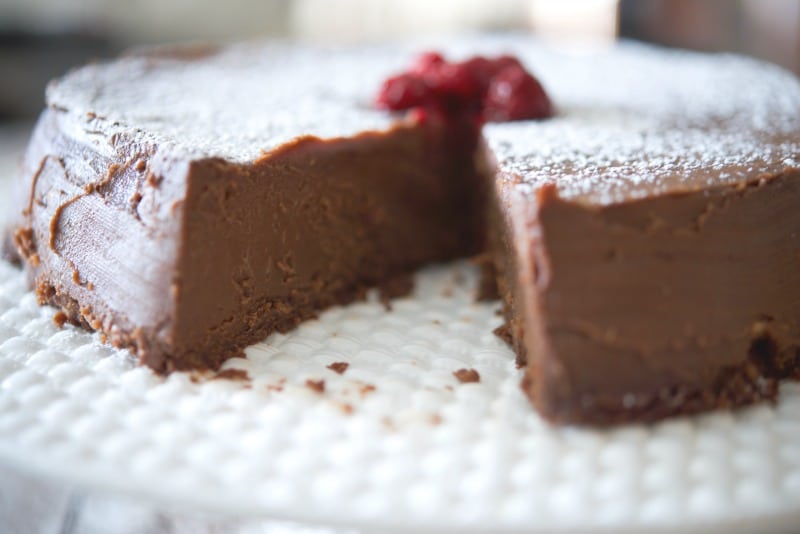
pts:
[491, 90]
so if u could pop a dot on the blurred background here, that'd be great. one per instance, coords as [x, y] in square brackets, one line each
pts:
[40, 39]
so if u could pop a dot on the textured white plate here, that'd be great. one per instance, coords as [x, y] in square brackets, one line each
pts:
[395, 441]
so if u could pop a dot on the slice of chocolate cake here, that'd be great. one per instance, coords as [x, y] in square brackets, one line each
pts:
[187, 203]
[648, 238]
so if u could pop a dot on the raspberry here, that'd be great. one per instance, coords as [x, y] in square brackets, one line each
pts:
[426, 62]
[475, 90]
[402, 92]
[515, 95]
[453, 80]
[504, 61]
[481, 69]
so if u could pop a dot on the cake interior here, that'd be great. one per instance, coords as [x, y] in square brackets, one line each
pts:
[330, 219]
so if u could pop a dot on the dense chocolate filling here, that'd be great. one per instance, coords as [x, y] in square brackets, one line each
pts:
[664, 306]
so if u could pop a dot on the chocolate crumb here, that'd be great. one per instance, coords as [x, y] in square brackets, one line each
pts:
[135, 200]
[465, 376]
[25, 243]
[60, 318]
[347, 408]
[367, 388]
[277, 386]
[504, 332]
[152, 180]
[317, 386]
[339, 367]
[232, 374]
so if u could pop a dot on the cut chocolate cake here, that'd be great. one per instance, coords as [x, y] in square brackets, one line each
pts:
[188, 202]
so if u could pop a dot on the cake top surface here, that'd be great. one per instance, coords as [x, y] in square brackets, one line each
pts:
[234, 102]
[632, 120]
[638, 120]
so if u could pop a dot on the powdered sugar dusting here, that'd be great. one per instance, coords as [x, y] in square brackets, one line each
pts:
[632, 120]
[235, 104]
[640, 120]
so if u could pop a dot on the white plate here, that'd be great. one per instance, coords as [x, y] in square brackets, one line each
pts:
[396, 441]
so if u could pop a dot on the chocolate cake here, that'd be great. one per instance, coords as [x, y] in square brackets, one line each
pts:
[188, 202]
